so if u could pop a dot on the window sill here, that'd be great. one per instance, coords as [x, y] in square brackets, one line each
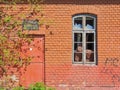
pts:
[81, 64]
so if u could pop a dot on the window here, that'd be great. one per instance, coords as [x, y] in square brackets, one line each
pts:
[84, 39]
[30, 25]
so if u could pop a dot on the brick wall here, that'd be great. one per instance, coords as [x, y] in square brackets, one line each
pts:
[59, 70]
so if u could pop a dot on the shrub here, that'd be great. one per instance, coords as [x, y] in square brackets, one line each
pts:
[39, 86]
[18, 88]
[1, 88]
[35, 86]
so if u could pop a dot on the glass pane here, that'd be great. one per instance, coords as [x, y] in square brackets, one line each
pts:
[77, 57]
[90, 46]
[78, 23]
[89, 56]
[89, 37]
[90, 52]
[78, 47]
[89, 23]
[78, 52]
[77, 37]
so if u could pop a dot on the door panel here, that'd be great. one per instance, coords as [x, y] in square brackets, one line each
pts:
[34, 72]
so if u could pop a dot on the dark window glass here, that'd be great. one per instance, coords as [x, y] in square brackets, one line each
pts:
[78, 23]
[89, 23]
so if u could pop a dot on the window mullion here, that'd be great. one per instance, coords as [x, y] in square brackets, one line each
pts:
[84, 22]
[84, 40]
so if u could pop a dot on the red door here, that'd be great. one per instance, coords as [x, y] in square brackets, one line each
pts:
[34, 72]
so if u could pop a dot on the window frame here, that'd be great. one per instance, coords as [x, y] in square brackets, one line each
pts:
[84, 31]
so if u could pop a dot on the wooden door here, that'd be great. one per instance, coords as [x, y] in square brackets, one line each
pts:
[34, 72]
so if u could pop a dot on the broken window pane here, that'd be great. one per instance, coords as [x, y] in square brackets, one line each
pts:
[89, 23]
[78, 23]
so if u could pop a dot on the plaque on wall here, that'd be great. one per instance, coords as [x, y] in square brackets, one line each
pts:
[30, 25]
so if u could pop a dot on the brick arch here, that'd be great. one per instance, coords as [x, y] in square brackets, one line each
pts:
[86, 10]
[91, 14]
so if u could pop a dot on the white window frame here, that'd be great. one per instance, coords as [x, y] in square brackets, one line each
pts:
[84, 31]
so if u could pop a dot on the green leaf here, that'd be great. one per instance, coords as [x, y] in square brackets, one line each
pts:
[18, 88]
[6, 52]
[1, 88]
[7, 18]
